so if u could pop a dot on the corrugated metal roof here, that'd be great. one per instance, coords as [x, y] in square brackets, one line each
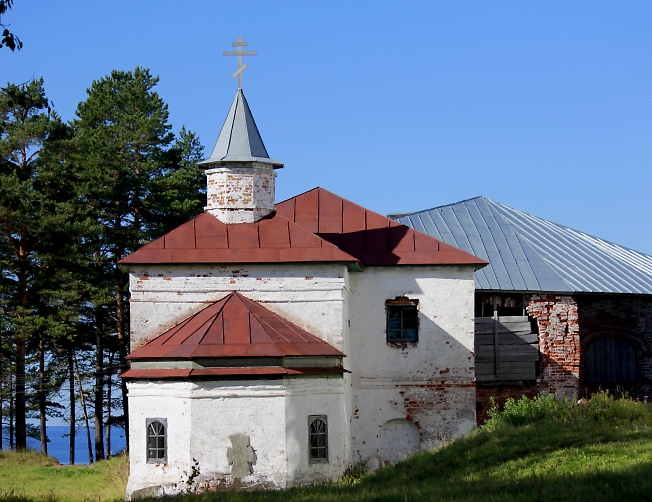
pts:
[239, 139]
[371, 237]
[235, 326]
[528, 253]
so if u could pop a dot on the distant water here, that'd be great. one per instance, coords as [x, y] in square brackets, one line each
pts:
[59, 445]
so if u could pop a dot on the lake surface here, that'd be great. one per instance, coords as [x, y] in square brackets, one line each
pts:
[59, 445]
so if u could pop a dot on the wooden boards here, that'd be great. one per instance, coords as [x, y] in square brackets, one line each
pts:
[506, 349]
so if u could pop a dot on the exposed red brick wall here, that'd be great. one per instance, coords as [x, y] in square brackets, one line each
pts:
[559, 343]
[567, 326]
[559, 347]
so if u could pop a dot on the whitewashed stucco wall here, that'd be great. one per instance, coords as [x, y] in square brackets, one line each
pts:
[202, 415]
[429, 383]
[158, 399]
[316, 396]
[309, 295]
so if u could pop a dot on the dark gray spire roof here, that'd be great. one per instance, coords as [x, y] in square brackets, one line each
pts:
[528, 253]
[239, 140]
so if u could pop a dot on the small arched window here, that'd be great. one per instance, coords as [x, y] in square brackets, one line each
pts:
[157, 451]
[318, 438]
[610, 360]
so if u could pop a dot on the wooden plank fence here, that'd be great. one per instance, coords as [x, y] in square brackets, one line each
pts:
[506, 349]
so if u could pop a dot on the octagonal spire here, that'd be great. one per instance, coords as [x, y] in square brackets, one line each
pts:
[239, 140]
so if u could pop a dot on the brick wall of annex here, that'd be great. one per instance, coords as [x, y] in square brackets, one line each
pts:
[620, 316]
[567, 326]
[559, 347]
[559, 343]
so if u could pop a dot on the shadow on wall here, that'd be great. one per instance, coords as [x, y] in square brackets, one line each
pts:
[433, 380]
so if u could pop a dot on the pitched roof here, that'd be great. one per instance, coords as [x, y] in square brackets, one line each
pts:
[235, 326]
[528, 253]
[205, 239]
[368, 236]
[239, 139]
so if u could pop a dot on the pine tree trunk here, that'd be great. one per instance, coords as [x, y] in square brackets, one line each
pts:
[122, 344]
[108, 406]
[19, 405]
[83, 401]
[72, 407]
[21, 419]
[11, 411]
[2, 388]
[99, 390]
[41, 394]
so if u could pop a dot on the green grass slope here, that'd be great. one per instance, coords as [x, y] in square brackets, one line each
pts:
[29, 476]
[534, 450]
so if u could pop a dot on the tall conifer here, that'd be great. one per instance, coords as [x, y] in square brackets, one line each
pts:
[137, 181]
[28, 128]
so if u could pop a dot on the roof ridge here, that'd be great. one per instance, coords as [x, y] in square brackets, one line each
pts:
[264, 324]
[566, 227]
[401, 215]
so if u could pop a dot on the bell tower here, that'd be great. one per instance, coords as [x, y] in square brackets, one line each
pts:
[240, 174]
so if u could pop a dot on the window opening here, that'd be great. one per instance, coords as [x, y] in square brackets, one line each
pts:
[318, 440]
[402, 320]
[157, 440]
[504, 304]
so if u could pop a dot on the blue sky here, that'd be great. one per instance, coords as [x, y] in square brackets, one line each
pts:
[398, 106]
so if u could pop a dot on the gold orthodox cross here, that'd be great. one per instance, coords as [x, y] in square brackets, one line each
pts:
[241, 67]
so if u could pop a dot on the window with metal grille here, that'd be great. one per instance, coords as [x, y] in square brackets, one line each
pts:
[318, 438]
[402, 320]
[157, 448]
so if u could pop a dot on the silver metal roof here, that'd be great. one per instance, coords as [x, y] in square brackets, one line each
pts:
[528, 253]
[239, 140]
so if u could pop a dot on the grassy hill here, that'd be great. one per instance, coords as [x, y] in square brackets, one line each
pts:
[534, 450]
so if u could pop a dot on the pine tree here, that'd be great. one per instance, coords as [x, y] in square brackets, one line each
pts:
[28, 129]
[137, 182]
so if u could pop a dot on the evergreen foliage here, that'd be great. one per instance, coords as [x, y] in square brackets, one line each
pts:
[74, 199]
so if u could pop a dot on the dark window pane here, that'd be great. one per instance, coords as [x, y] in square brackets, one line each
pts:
[409, 323]
[410, 335]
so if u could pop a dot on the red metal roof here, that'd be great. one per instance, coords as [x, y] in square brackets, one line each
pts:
[235, 326]
[205, 239]
[167, 373]
[372, 238]
[316, 226]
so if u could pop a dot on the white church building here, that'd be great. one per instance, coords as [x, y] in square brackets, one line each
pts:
[279, 343]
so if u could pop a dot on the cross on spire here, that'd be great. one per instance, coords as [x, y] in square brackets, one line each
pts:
[241, 67]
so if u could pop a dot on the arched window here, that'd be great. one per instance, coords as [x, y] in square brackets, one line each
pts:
[318, 432]
[610, 360]
[157, 451]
